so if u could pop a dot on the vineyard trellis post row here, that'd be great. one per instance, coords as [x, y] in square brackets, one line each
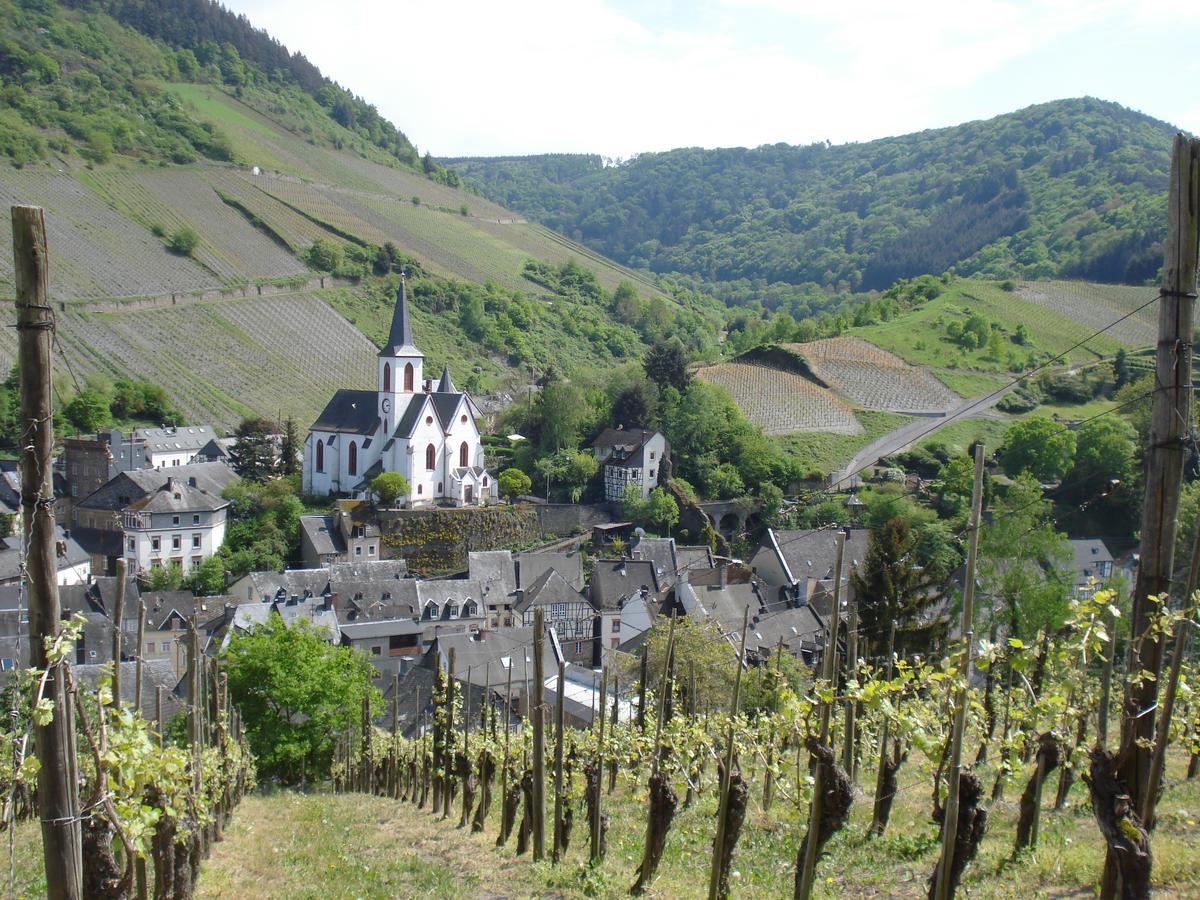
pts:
[950, 821]
[58, 793]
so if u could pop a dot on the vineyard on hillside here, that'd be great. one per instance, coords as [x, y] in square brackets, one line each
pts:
[781, 402]
[873, 378]
[223, 360]
[1098, 306]
[730, 795]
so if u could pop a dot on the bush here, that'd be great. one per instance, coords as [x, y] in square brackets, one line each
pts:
[390, 485]
[514, 482]
[183, 241]
[323, 255]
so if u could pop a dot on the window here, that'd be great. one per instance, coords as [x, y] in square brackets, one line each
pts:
[376, 650]
[196, 561]
[360, 531]
[470, 609]
[358, 550]
[485, 481]
[420, 488]
[463, 451]
[431, 457]
[150, 646]
[132, 544]
[174, 520]
[429, 420]
[371, 550]
[320, 455]
[352, 459]
[579, 647]
[387, 377]
[154, 543]
[195, 542]
[408, 377]
[431, 611]
[176, 542]
[439, 487]
[196, 519]
[558, 609]
[651, 456]
[463, 420]
[616, 626]
[651, 473]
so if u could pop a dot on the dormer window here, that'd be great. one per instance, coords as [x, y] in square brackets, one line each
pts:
[451, 609]
[431, 610]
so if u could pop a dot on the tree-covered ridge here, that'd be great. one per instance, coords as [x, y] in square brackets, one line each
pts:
[1073, 189]
[93, 77]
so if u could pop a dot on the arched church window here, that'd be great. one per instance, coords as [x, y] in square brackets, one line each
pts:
[320, 455]
[485, 481]
[387, 377]
[352, 459]
[463, 452]
[408, 377]
[431, 457]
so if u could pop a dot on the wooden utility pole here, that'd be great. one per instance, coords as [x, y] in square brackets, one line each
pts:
[54, 742]
[950, 820]
[537, 696]
[849, 745]
[559, 724]
[118, 611]
[1170, 427]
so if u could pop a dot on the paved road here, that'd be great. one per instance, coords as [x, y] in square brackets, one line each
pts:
[901, 438]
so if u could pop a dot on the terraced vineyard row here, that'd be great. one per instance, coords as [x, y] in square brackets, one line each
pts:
[223, 360]
[1098, 305]
[781, 402]
[873, 378]
[229, 245]
[95, 251]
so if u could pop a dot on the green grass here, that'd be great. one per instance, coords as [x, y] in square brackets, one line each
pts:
[919, 336]
[965, 432]
[970, 384]
[826, 452]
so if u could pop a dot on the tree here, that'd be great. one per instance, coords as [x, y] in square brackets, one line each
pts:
[666, 365]
[387, 486]
[514, 482]
[636, 404]
[165, 578]
[563, 409]
[889, 587]
[264, 526]
[296, 693]
[253, 453]
[323, 255]
[289, 448]
[662, 511]
[88, 411]
[1039, 446]
[208, 577]
[183, 241]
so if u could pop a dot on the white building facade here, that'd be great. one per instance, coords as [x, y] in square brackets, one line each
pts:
[176, 525]
[427, 432]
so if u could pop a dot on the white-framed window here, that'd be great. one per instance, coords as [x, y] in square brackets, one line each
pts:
[196, 518]
[616, 625]
[133, 543]
[558, 609]
[579, 646]
[371, 550]
[155, 543]
[358, 550]
[176, 542]
[174, 520]
[195, 541]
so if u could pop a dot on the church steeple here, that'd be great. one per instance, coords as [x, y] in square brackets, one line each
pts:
[446, 386]
[400, 339]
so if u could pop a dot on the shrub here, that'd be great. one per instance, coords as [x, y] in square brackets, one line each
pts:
[514, 482]
[390, 485]
[183, 241]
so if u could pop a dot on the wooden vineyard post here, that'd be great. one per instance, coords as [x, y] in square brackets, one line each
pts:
[118, 611]
[559, 723]
[448, 740]
[643, 668]
[850, 745]
[507, 742]
[1110, 659]
[54, 742]
[137, 676]
[715, 873]
[804, 884]
[158, 712]
[597, 818]
[193, 717]
[538, 825]
[1169, 427]
[943, 889]
[650, 857]
[877, 815]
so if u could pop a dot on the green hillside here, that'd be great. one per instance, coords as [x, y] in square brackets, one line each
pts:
[1071, 189]
[220, 231]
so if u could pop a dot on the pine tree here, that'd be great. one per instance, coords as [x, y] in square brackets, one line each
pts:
[253, 455]
[289, 449]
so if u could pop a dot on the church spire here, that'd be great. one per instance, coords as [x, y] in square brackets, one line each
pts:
[446, 386]
[401, 333]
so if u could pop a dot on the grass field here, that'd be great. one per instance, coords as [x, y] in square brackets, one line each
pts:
[919, 336]
[826, 452]
[963, 433]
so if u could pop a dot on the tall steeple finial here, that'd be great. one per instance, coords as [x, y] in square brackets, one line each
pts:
[401, 333]
[446, 386]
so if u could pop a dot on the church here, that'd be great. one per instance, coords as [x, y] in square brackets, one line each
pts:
[425, 431]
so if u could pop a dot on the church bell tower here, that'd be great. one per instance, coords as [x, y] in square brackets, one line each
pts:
[400, 364]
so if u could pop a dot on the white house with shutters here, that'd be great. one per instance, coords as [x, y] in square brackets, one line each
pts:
[427, 431]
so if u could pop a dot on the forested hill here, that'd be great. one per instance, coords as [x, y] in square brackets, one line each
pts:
[1070, 189]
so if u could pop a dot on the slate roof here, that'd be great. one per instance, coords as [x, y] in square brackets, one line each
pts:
[349, 412]
[533, 564]
[175, 495]
[321, 533]
[800, 628]
[495, 572]
[11, 554]
[210, 477]
[550, 587]
[156, 673]
[809, 554]
[695, 558]
[486, 658]
[99, 541]
[400, 338]
[182, 437]
[445, 405]
[446, 384]
[1089, 554]
[724, 605]
[627, 438]
[613, 580]
[661, 552]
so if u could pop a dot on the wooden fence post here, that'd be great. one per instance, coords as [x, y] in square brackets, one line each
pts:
[137, 672]
[538, 825]
[54, 742]
[559, 723]
[118, 611]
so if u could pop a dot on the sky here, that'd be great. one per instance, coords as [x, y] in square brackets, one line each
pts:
[622, 77]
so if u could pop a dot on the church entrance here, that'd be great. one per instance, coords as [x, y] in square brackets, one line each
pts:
[468, 493]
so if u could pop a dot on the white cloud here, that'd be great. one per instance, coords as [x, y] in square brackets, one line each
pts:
[478, 77]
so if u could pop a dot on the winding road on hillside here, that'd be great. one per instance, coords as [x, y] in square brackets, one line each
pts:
[901, 438]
